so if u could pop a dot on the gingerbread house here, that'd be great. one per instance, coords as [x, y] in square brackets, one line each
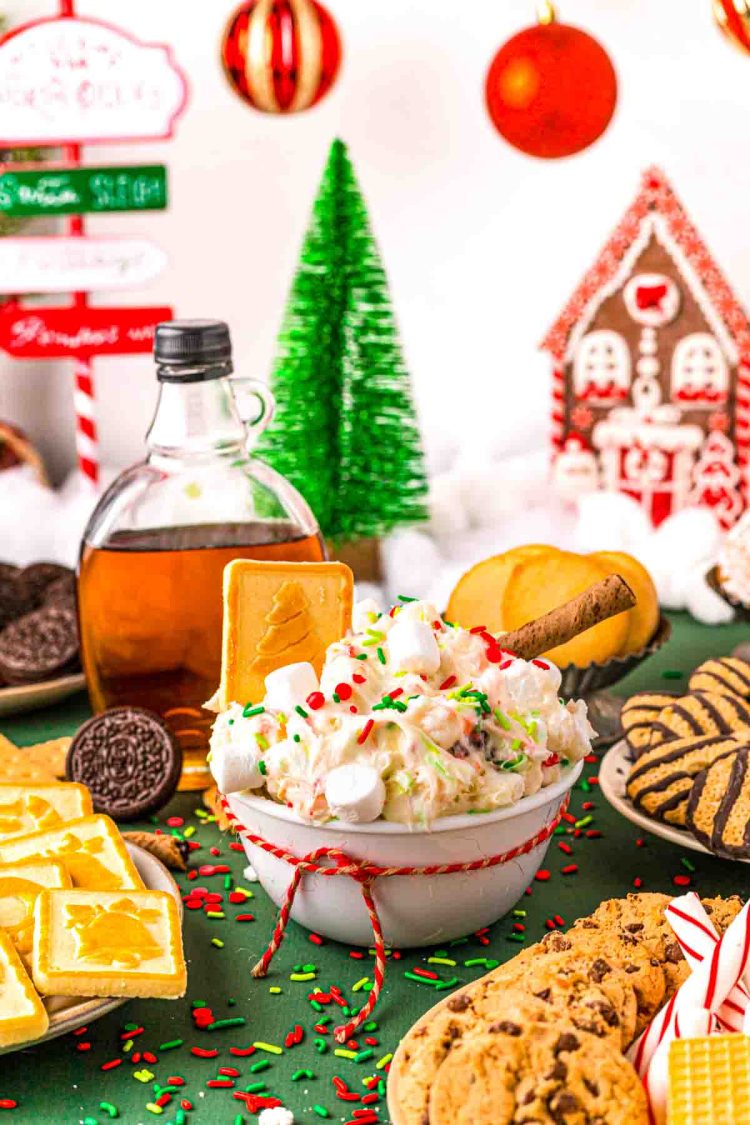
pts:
[651, 383]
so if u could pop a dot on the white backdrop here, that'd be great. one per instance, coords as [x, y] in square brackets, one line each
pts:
[481, 243]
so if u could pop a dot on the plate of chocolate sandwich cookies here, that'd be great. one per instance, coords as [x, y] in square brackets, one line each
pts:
[39, 658]
[682, 771]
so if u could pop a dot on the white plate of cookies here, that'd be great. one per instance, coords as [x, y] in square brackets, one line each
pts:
[87, 920]
[682, 772]
[32, 697]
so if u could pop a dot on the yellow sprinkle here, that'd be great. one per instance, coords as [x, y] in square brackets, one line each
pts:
[342, 1053]
[440, 961]
[274, 990]
[217, 942]
[270, 1047]
[152, 1107]
[127, 1045]
[189, 831]
[360, 984]
[143, 1075]
[384, 1061]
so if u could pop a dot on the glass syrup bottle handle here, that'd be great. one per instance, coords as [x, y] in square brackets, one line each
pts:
[265, 405]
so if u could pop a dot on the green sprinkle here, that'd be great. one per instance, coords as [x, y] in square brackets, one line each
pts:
[342, 1053]
[301, 711]
[336, 697]
[687, 864]
[404, 598]
[304, 1073]
[90, 1121]
[235, 1021]
[321, 1111]
[110, 1109]
[262, 766]
[585, 787]
[302, 976]
[314, 1004]
[381, 656]
[217, 942]
[514, 763]
[363, 1056]
[502, 719]
[239, 1119]
[361, 656]
[270, 1047]
[384, 1061]
[134, 1026]
[256, 1087]
[671, 674]
[420, 980]
[321, 1046]
[171, 1044]
[180, 1117]
[248, 711]
[296, 738]
[443, 984]
[371, 1025]
[262, 1064]
[515, 937]
[475, 961]
[458, 941]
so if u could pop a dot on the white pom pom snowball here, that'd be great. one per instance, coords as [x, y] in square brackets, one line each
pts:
[610, 521]
[704, 603]
[410, 561]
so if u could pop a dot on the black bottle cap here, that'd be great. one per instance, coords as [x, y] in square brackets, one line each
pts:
[191, 351]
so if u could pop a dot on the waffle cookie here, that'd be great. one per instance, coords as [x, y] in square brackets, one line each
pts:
[718, 812]
[34, 808]
[699, 714]
[638, 715]
[727, 675]
[94, 943]
[20, 885]
[22, 1015]
[661, 780]
[91, 849]
[709, 1080]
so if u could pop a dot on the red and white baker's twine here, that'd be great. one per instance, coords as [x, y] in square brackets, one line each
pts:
[365, 874]
[87, 443]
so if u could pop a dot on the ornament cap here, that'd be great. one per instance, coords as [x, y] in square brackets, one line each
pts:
[545, 12]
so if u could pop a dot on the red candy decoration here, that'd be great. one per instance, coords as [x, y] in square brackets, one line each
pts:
[344, 691]
[315, 700]
[281, 56]
[551, 90]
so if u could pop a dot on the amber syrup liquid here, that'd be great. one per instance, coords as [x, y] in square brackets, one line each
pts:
[150, 616]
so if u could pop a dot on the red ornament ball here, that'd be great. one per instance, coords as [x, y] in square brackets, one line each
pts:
[551, 90]
[281, 56]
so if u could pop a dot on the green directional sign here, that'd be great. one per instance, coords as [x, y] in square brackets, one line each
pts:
[81, 191]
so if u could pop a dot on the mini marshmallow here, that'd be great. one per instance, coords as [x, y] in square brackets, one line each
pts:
[234, 768]
[413, 647]
[355, 793]
[290, 686]
[361, 614]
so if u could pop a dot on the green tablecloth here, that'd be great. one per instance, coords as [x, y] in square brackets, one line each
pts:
[62, 1081]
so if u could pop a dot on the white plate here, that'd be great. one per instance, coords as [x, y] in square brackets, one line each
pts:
[613, 774]
[66, 1013]
[32, 697]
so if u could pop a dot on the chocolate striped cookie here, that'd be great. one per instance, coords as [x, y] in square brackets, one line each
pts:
[661, 780]
[727, 675]
[718, 811]
[638, 715]
[701, 713]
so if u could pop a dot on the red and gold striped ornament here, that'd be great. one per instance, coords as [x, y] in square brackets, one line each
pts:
[281, 56]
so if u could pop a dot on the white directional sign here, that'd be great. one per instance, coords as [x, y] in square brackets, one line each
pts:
[80, 80]
[63, 264]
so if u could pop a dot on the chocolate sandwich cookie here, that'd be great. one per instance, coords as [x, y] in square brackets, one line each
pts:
[728, 675]
[61, 591]
[661, 780]
[698, 714]
[638, 715]
[11, 605]
[34, 580]
[129, 760]
[39, 646]
[719, 807]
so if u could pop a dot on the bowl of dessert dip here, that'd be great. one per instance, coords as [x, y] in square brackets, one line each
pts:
[422, 743]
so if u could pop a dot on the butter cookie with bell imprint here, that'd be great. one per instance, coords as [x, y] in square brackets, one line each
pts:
[661, 780]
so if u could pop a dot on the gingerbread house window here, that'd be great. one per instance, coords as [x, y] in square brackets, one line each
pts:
[602, 368]
[700, 376]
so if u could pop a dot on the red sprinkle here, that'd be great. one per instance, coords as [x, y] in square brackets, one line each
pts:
[640, 843]
[356, 955]
[395, 693]
[478, 629]
[344, 691]
[131, 1034]
[494, 654]
[220, 1084]
[202, 1053]
[236, 846]
[236, 897]
[588, 805]
[316, 939]
[550, 924]
[682, 880]
[551, 760]
[83, 1046]
[254, 1103]
[165, 1099]
[364, 734]
[427, 973]
[368, 1099]
[505, 664]
[570, 869]
[359, 678]
[569, 817]
[149, 1057]
[175, 822]
[229, 1072]
[519, 927]
[565, 848]
[638, 882]
[185, 1104]
[244, 917]
[175, 1080]
[542, 875]
[111, 1064]
[560, 921]
[7, 1103]
[593, 834]
[448, 683]
[541, 664]
[315, 700]
[241, 1052]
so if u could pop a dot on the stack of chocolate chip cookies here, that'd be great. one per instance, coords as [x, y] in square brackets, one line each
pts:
[691, 756]
[542, 1038]
[38, 627]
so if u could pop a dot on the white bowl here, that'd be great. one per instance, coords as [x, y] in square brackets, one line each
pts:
[414, 909]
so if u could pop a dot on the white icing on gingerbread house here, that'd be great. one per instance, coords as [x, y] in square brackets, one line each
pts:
[652, 367]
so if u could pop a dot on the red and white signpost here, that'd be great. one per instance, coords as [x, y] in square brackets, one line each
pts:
[64, 82]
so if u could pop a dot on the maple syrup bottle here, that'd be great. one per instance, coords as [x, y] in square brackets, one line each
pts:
[154, 552]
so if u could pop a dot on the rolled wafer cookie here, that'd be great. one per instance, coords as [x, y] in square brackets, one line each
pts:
[602, 600]
[718, 812]
[727, 675]
[638, 715]
[661, 780]
[699, 714]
